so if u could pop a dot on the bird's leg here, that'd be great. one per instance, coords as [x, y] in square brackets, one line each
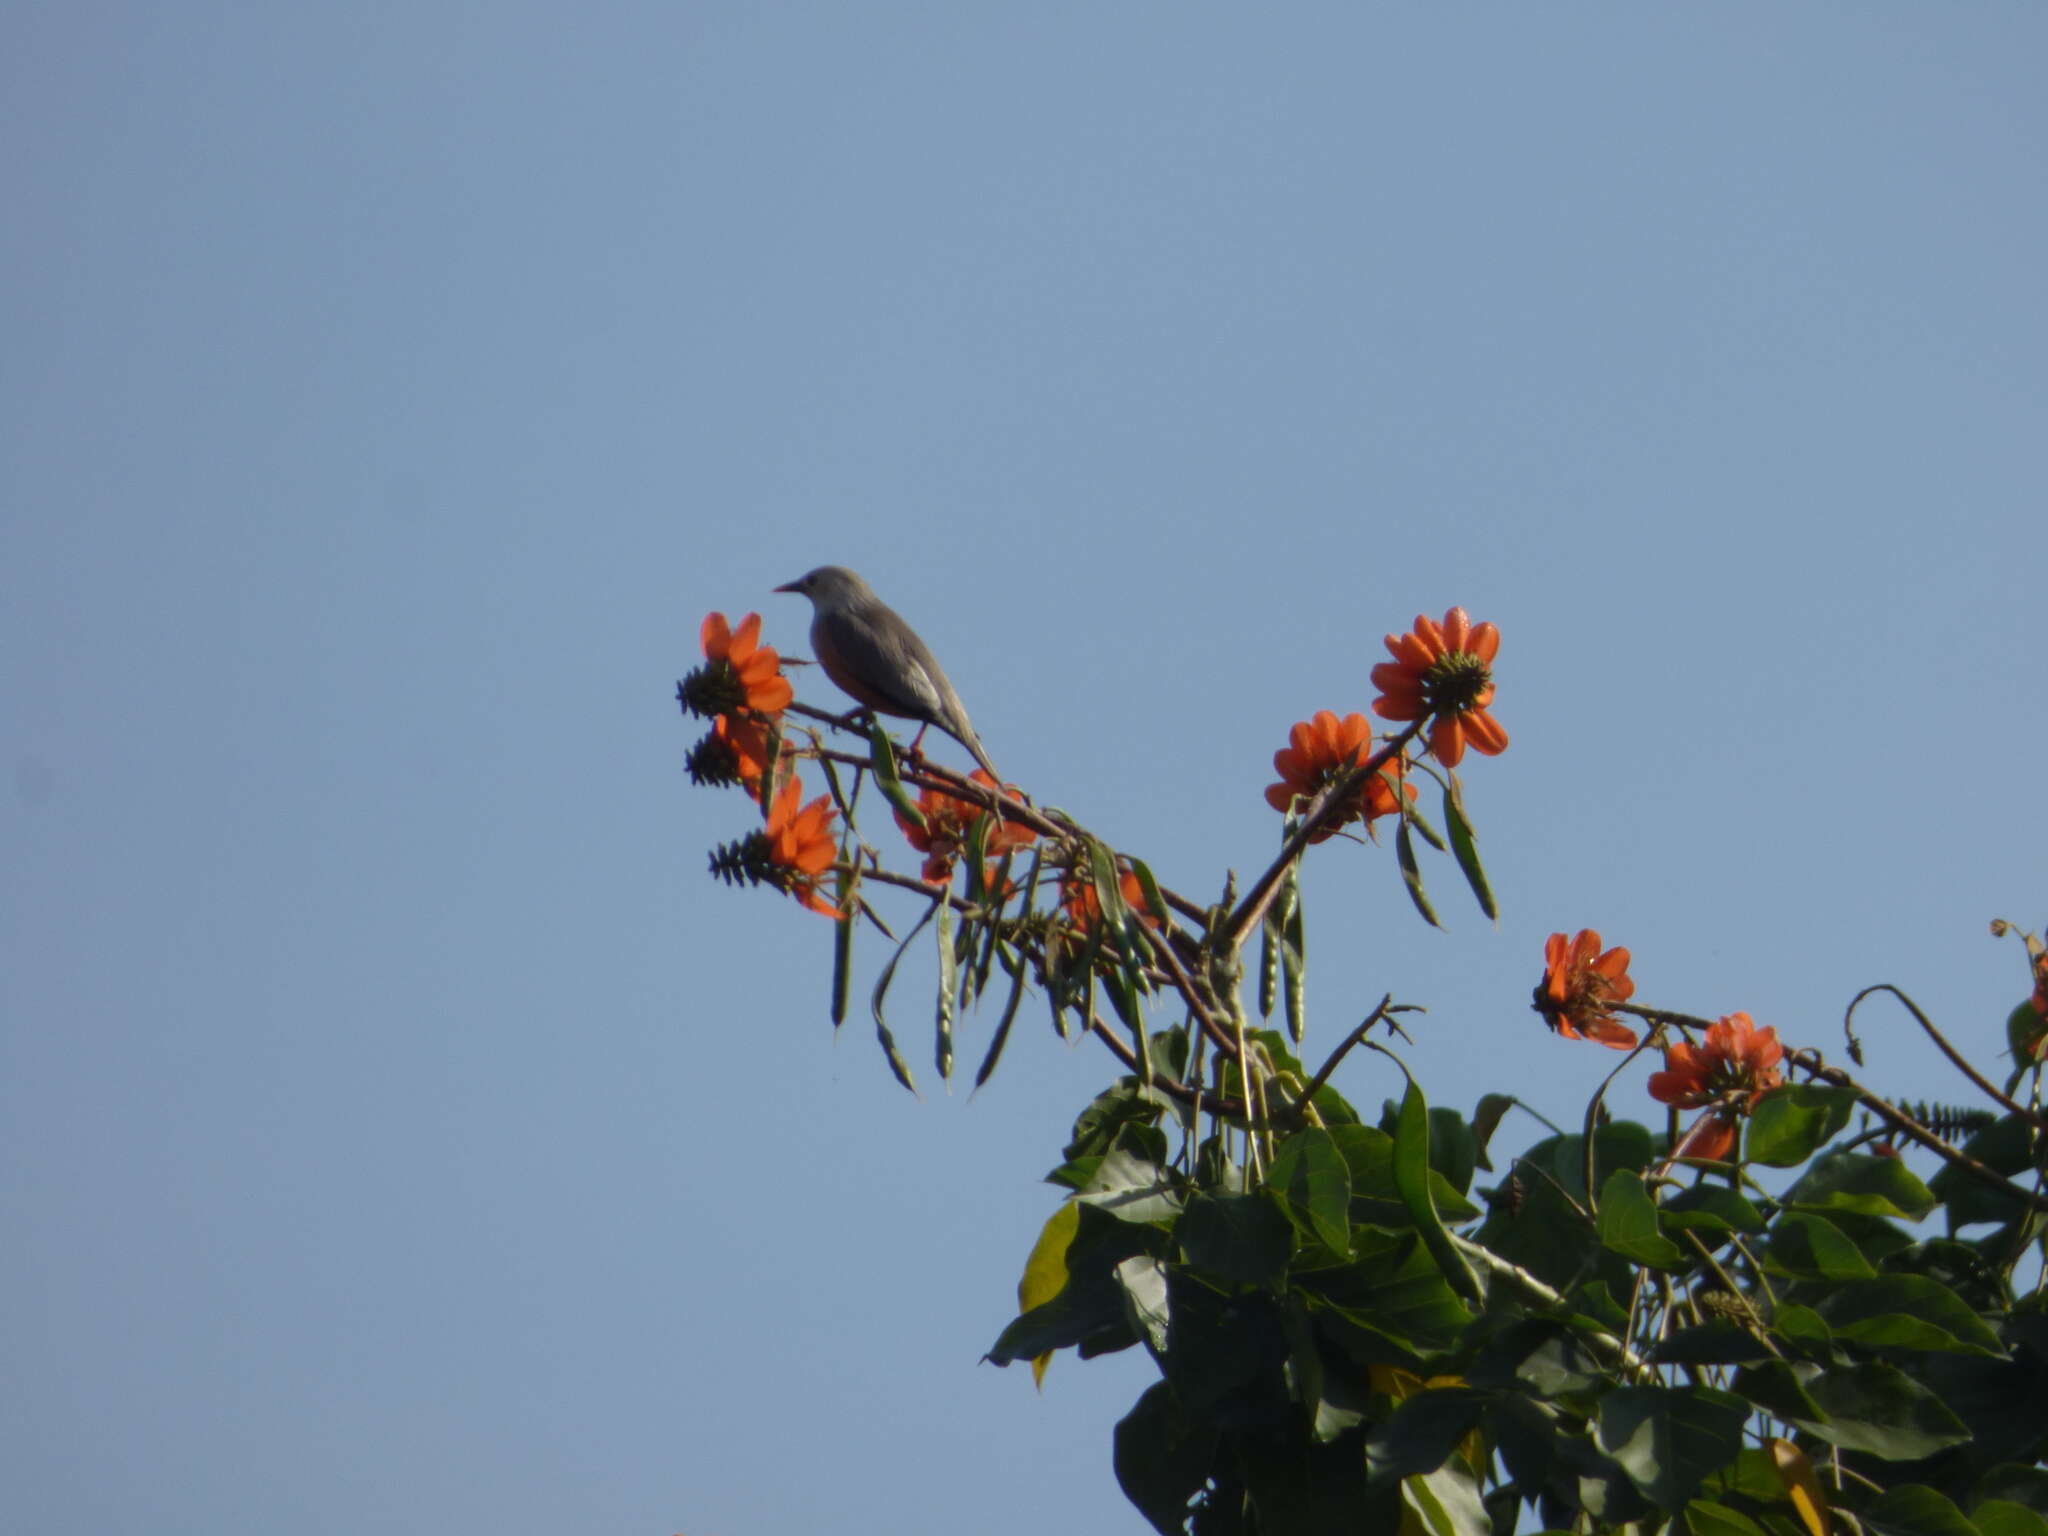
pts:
[914, 752]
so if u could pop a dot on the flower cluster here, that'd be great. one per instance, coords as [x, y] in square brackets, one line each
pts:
[1322, 750]
[1725, 1075]
[949, 827]
[741, 689]
[792, 851]
[1581, 984]
[1082, 903]
[1443, 672]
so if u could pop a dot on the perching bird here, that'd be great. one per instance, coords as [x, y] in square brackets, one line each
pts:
[866, 648]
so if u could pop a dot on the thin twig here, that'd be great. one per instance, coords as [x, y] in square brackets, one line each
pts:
[1323, 810]
[1949, 1051]
[1810, 1061]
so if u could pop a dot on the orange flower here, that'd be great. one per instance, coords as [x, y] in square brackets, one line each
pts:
[747, 741]
[801, 846]
[1580, 987]
[949, 821]
[1725, 1075]
[1324, 749]
[756, 671]
[1443, 672]
[1083, 906]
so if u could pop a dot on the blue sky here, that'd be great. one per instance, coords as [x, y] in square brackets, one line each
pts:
[400, 1131]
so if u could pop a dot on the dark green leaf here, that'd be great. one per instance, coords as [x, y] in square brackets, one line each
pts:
[1310, 1176]
[1237, 1239]
[882, 758]
[1703, 1517]
[1997, 1517]
[1779, 1388]
[1715, 1343]
[1905, 1312]
[1421, 1434]
[1485, 1121]
[1375, 1198]
[1411, 1178]
[1874, 1407]
[1668, 1439]
[1914, 1510]
[2014, 1484]
[1628, 1223]
[1709, 1208]
[1162, 1458]
[1814, 1248]
[1090, 1308]
[1860, 1182]
[1789, 1124]
[1446, 1502]
[1541, 1353]
[2005, 1147]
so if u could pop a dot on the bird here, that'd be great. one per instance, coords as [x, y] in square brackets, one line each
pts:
[866, 648]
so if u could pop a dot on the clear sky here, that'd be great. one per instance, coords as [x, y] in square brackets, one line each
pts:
[399, 1131]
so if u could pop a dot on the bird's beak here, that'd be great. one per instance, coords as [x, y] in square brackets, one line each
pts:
[791, 586]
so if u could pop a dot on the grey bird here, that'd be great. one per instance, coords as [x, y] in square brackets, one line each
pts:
[866, 648]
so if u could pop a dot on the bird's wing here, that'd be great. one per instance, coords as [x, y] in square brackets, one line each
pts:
[898, 680]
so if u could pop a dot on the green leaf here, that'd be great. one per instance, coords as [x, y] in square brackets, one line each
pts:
[1814, 1248]
[1446, 1502]
[1802, 1326]
[1375, 1197]
[1668, 1439]
[1779, 1388]
[847, 893]
[1420, 1435]
[1703, 1517]
[1914, 1510]
[1997, 1517]
[1466, 849]
[1089, 1307]
[1867, 1406]
[1162, 1458]
[1628, 1223]
[2005, 1147]
[2012, 1483]
[1486, 1120]
[1132, 1187]
[1789, 1124]
[1709, 1208]
[1310, 1177]
[1142, 1279]
[882, 758]
[1540, 1353]
[1859, 1182]
[1905, 1312]
[1393, 1288]
[1411, 874]
[1237, 1239]
[1714, 1343]
[1411, 1178]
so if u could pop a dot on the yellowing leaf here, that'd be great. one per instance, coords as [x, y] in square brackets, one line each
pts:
[1045, 1272]
[1801, 1486]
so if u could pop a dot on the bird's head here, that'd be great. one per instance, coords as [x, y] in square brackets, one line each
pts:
[831, 588]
